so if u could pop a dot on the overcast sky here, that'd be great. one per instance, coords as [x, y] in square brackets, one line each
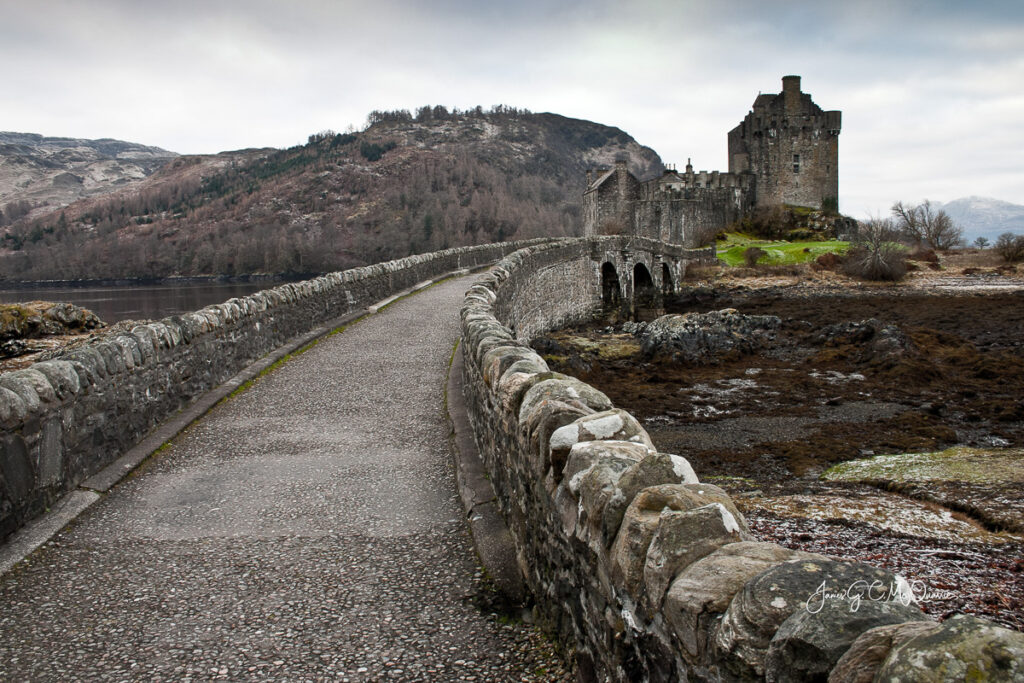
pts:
[932, 91]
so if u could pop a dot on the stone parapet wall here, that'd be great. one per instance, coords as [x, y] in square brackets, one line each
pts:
[63, 420]
[643, 571]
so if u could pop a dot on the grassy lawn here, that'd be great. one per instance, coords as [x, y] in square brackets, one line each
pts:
[730, 250]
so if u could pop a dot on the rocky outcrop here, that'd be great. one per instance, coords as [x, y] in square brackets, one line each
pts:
[706, 338]
[869, 341]
[43, 318]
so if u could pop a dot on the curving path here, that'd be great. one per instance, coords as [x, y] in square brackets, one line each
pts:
[307, 529]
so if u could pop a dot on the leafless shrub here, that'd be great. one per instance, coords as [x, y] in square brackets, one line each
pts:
[875, 254]
[1010, 247]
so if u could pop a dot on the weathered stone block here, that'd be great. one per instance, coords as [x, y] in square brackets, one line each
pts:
[702, 592]
[595, 486]
[768, 599]
[869, 651]
[615, 424]
[12, 408]
[584, 455]
[545, 418]
[681, 539]
[808, 644]
[61, 375]
[129, 347]
[568, 390]
[963, 648]
[517, 380]
[629, 552]
[652, 470]
[148, 342]
[31, 386]
[16, 468]
[498, 360]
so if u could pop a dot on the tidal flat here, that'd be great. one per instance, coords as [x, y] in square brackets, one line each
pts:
[931, 380]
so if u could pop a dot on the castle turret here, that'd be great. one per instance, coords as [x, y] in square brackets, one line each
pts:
[791, 94]
[792, 148]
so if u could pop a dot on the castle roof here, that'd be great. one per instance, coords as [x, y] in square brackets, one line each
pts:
[605, 175]
[667, 178]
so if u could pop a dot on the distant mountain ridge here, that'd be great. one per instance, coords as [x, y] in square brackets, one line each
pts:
[55, 171]
[407, 184]
[984, 216]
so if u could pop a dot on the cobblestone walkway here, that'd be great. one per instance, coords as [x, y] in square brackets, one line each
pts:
[307, 529]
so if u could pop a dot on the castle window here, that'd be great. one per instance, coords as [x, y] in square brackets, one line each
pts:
[796, 168]
[796, 163]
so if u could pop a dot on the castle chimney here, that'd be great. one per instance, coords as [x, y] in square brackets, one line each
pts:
[689, 166]
[791, 92]
[590, 177]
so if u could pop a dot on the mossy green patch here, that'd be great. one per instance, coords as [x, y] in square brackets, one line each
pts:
[609, 347]
[960, 463]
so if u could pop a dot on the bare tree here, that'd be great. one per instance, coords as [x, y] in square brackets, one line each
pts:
[922, 224]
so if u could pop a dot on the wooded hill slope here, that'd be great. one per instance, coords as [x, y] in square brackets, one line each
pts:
[407, 184]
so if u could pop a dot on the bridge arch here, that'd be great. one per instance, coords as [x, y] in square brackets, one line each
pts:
[611, 289]
[667, 287]
[646, 297]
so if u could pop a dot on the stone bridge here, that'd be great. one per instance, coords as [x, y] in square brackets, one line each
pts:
[299, 520]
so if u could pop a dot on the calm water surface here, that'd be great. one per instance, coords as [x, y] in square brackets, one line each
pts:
[139, 302]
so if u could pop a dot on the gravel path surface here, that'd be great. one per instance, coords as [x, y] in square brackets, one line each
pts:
[307, 529]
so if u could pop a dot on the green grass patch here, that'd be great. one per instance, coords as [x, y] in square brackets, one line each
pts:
[779, 253]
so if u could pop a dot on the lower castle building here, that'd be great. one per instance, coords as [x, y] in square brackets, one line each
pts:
[786, 151]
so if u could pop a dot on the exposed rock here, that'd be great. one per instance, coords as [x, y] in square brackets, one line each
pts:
[42, 318]
[876, 342]
[768, 599]
[707, 338]
[634, 328]
[963, 648]
[702, 592]
[57, 171]
[866, 655]
[808, 644]
[12, 348]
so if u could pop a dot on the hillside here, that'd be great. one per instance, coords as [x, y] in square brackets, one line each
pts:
[43, 173]
[985, 217]
[404, 185]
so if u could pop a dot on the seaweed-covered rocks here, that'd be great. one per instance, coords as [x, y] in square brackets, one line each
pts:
[44, 318]
[708, 338]
[867, 341]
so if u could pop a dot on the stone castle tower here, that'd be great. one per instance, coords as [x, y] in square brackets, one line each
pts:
[786, 151]
[792, 148]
